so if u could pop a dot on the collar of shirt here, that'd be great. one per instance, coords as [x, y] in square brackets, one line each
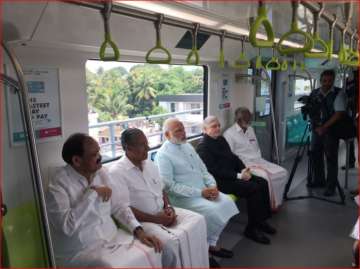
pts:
[74, 174]
[128, 165]
[239, 129]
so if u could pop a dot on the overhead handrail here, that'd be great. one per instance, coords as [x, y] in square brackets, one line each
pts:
[32, 150]
[194, 51]
[262, 19]
[221, 51]
[316, 37]
[294, 29]
[242, 61]
[273, 63]
[258, 61]
[330, 42]
[158, 45]
[179, 23]
[106, 13]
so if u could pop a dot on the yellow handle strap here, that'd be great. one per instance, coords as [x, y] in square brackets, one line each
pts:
[273, 64]
[194, 51]
[149, 59]
[262, 19]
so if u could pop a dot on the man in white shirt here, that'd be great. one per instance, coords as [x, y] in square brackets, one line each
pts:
[80, 206]
[183, 230]
[243, 143]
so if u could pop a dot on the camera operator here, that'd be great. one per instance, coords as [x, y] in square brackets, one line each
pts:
[331, 108]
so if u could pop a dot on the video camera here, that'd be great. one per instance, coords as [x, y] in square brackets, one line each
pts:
[311, 109]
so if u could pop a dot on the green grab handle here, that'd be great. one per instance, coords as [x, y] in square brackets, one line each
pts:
[193, 53]
[284, 65]
[273, 64]
[242, 62]
[115, 49]
[294, 65]
[330, 45]
[320, 55]
[258, 62]
[352, 58]
[309, 42]
[302, 66]
[342, 54]
[221, 58]
[158, 61]
[262, 20]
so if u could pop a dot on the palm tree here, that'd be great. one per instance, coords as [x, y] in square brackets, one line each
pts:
[144, 88]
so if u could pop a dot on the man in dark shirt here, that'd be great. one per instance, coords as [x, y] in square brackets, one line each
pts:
[331, 108]
[234, 178]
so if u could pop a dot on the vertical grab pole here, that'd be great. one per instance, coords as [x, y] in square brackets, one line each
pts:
[262, 69]
[33, 157]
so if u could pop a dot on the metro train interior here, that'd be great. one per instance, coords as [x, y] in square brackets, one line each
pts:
[101, 67]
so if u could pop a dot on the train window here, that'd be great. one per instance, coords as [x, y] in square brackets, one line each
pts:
[125, 95]
[302, 87]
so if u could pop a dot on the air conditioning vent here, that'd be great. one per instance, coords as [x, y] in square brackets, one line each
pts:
[186, 41]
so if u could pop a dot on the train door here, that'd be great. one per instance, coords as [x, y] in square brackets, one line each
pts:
[262, 122]
[23, 241]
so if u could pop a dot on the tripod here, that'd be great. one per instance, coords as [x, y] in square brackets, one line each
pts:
[310, 170]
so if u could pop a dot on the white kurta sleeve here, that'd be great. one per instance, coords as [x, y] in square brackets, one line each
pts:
[120, 203]
[62, 215]
[166, 171]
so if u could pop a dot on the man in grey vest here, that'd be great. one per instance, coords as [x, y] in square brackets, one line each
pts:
[331, 107]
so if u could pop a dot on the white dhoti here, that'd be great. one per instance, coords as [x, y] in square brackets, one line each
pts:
[187, 238]
[275, 175]
[114, 254]
[217, 213]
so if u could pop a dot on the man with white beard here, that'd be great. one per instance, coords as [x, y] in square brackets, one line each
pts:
[189, 184]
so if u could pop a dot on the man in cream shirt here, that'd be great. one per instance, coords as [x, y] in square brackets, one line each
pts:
[183, 230]
[80, 206]
[243, 143]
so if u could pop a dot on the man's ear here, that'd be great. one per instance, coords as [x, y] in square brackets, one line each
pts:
[76, 161]
[167, 134]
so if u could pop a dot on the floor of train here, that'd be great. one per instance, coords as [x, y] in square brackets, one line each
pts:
[311, 233]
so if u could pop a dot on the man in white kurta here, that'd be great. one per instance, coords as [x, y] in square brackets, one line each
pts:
[187, 235]
[243, 143]
[190, 186]
[80, 206]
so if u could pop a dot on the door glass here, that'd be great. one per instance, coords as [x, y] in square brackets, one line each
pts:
[262, 118]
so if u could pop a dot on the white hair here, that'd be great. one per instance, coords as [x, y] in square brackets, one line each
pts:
[209, 120]
[167, 123]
